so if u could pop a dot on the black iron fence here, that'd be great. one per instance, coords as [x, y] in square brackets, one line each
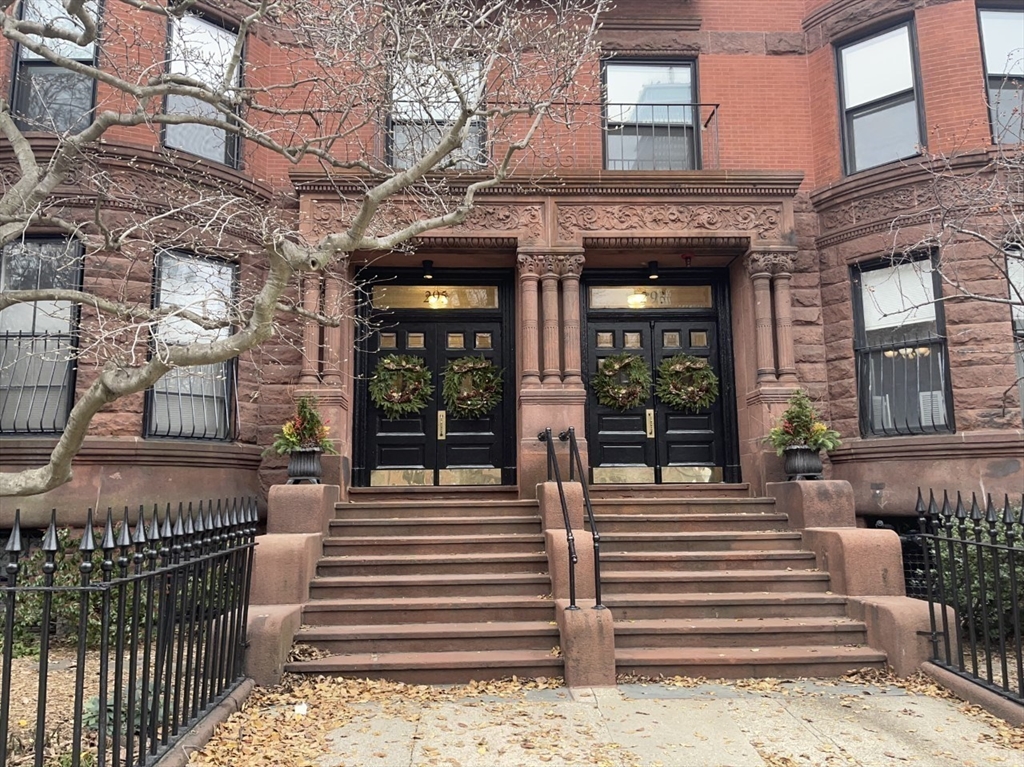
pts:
[972, 560]
[150, 615]
[660, 136]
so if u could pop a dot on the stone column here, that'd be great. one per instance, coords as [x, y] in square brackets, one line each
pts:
[334, 306]
[529, 274]
[572, 363]
[309, 374]
[786, 362]
[759, 266]
[552, 372]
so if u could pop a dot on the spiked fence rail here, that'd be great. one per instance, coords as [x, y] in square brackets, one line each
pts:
[170, 595]
[973, 561]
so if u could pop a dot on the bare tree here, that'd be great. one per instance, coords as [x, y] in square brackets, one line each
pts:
[459, 87]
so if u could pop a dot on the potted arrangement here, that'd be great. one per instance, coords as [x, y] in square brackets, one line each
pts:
[303, 438]
[800, 436]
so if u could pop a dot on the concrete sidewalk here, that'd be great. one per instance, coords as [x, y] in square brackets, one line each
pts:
[798, 724]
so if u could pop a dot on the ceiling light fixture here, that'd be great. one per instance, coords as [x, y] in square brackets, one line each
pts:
[428, 270]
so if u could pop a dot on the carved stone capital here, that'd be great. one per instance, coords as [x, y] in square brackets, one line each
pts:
[769, 262]
[530, 264]
[572, 266]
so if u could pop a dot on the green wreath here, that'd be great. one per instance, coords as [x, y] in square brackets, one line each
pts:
[686, 382]
[401, 385]
[623, 381]
[471, 388]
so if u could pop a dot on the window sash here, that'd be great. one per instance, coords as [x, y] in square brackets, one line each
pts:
[409, 140]
[52, 11]
[1002, 40]
[877, 67]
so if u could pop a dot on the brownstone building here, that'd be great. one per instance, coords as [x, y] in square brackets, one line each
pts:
[731, 197]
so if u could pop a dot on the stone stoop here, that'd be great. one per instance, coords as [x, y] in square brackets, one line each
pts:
[432, 588]
[720, 588]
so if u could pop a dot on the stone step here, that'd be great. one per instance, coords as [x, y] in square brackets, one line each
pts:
[410, 564]
[695, 490]
[408, 526]
[455, 545]
[745, 662]
[721, 581]
[430, 584]
[792, 604]
[741, 632]
[432, 637]
[445, 609]
[698, 542]
[436, 507]
[677, 506]
[456, 667]
[691, 523]
[706, 560]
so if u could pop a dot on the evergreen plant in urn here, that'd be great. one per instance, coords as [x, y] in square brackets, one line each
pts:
[800, 436]
[303, 438]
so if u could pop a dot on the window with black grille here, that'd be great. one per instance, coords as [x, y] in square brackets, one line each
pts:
[38, 339]
[192, 402]
[903, 382]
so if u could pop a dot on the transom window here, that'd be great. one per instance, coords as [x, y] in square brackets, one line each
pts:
[202, 50]
[1002, 39]
[900, 347]
[192, 402]
[650, 116]
[49, 97]
[879, 99]
[424, 107]
[37, 339]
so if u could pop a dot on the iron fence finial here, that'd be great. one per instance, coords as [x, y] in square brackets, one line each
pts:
[14, 545]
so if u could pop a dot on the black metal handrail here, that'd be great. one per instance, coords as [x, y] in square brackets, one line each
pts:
[555, 475]
[982, 580]
[576, 470]
[163, 603]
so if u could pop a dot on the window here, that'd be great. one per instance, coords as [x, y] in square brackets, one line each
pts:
[879, 99]
[46, 96]
[37, 340]
[900, 348]
[649, 117]
[424, 106]
[1002, 40]
[204, 51]
[1015, 271]
[192, 402]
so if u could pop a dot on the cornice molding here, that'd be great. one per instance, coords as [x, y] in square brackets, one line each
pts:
[677, 184]
[844, 17]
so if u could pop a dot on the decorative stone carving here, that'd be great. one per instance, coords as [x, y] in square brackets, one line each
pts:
[769, 262]
[530, 264]
[764, 220]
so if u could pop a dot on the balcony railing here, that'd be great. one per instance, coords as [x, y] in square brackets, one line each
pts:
[660, 136]
[36, 380]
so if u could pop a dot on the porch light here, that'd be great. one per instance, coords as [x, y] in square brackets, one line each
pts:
[428, 270]
[652, 270]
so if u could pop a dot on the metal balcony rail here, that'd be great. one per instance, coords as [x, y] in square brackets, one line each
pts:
[36, 381]
[159, 604]
[555, 475]
[973, 561]
[903, 386]
[660, 136]
[576, 469]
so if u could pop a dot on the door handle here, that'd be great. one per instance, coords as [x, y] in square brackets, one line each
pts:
[442, 424]
[650, 423]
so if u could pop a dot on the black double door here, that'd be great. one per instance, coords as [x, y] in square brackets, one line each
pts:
[431, 447]
[654, 442]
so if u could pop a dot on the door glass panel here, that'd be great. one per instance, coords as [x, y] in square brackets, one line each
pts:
[389, 340]
[416, 341]
[434, 297]
[670, 339]
[483, 341]
[698, 338]
[456, 341]
[632, 341]
[605, 340]
[638, 297]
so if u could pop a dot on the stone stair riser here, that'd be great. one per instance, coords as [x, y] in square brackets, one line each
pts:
[641, 508]
[440, 674]
[700, 524]
[337, 547]
[619, 543]
[382, 528]
[848, 636]
[471, 613]
[633, 561]
[809, 668]
[441, 643]
[453, 509]
[482, 590]
[627, 612]
[412, 566]
[611, 586]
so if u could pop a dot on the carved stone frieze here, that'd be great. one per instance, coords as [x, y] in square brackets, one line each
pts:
[764, 221]
[872, 212]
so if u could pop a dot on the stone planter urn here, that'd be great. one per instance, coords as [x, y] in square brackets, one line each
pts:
[802, 462]
[304, 466]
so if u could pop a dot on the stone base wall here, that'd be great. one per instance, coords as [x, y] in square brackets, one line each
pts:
[120, 472]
